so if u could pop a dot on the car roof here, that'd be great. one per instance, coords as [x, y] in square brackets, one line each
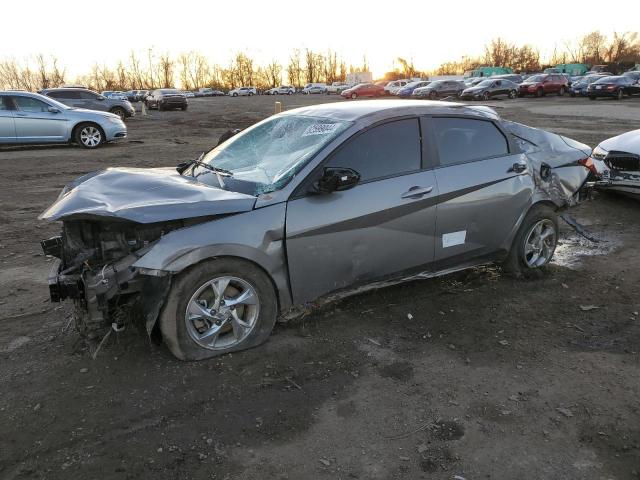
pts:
[351, 111]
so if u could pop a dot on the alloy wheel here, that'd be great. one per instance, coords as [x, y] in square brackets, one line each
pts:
[222, 313]
[540, 244]
[90, 136]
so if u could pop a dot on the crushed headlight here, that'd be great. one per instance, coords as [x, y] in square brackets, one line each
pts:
[599, 153]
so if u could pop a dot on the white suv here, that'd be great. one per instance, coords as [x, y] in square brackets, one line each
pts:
[392, 87]
[243, 91]
[281, 90]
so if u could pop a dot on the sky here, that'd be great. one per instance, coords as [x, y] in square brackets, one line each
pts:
[81, 34]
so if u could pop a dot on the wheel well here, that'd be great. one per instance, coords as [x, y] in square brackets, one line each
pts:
[116, 107]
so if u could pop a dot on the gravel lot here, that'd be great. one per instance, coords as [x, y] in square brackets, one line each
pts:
[491, 377]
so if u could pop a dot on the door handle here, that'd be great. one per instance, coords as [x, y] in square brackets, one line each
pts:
[517, 167]
[19, 114]
[416, 192]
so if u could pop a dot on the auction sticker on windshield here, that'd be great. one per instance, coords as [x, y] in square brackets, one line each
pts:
[320, 129]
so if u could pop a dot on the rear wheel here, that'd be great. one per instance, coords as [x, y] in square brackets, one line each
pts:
[433, 95]
[485, 96]
[561, 92]
[513, 94]
[620, 94]
[217, 307]
[539, 92]
[88, 135]
[535, 242]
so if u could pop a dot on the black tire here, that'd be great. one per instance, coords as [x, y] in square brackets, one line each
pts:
[515, 263]
[354, 95]
[573, 94]
[513, 94]
[250, 94]
[592, 98]
[88, 135]
[159, 106]
[433, 95]
[172, 317]
[620, 94]
[540, 93]
[183, 108]
[561, 92]
[486, 96]
[119, 111]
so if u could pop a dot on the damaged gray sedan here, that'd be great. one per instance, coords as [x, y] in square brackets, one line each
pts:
[306, 206]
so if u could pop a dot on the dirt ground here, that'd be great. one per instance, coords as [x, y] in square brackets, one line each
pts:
[487, 378]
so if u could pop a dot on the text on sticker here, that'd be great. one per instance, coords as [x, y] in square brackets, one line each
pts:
[320, 129]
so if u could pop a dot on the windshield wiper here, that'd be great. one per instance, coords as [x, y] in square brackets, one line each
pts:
[182, 167]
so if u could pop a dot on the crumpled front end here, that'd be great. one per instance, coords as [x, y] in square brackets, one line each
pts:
[94, 268]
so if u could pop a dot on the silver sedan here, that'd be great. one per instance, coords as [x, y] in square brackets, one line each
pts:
[31, 118]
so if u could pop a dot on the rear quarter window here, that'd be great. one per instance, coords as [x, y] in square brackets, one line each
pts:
[462, 140]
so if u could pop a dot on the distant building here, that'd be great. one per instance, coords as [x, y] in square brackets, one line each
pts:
[359, 77]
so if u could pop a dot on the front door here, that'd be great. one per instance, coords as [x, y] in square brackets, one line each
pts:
[484, 189]
[34, 122]
[382, 226]
[7, 124]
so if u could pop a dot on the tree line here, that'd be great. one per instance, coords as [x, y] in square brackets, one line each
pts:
[618, 52]
[193, 70]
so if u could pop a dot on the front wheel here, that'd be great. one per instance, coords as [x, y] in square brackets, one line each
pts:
[539, 92]
[561, 92]
[485, 96]
[354, 96]
[513, 94]
[620, 94]
[535, 242]
[216, 307]
[88, 135]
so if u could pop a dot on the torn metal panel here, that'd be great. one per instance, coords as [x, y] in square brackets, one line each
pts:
[144, 195]
[556, 160]
[621, 158]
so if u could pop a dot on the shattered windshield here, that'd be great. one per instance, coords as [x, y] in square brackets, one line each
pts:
[266, 156]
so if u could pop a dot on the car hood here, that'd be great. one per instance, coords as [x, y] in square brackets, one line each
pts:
[143, 195]
[627, 142]
[84, 111]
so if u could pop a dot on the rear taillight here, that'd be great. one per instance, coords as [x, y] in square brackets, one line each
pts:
[589, 165]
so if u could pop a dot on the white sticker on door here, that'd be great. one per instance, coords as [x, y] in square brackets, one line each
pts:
[453, 238]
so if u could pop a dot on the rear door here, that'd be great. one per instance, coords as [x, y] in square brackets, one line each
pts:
[382, 226]
[484, 186]
[91, 101]
[7, 124]
[34, 122]
[68, 97]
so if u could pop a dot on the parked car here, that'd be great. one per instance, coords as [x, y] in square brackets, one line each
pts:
[37, 119]
[407, 90]
[616, 87]
[579, 87]
[166, 99]
[391, 87]
[188, 94]
[83, 98]
[114, 94]
[621, 157]
[243, 92]
[132, 95]
[491, 88]
[472, 81]
[440, 89]
[634, 75]
[211, 254]
[543, 84]
[512, 77]
[337, 87]
[363, 90]
[311, 88]
[281, 90]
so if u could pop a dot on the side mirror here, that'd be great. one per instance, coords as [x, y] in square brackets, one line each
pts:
[54, 110]
[101, 97]
[337, 179]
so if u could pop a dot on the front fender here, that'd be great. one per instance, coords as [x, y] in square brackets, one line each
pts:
[256, 236]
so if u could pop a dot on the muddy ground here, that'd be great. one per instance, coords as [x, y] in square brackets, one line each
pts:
[488, 378]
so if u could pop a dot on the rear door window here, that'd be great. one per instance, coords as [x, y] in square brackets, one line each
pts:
[383, 151]
[462, 140]
[4, 103]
